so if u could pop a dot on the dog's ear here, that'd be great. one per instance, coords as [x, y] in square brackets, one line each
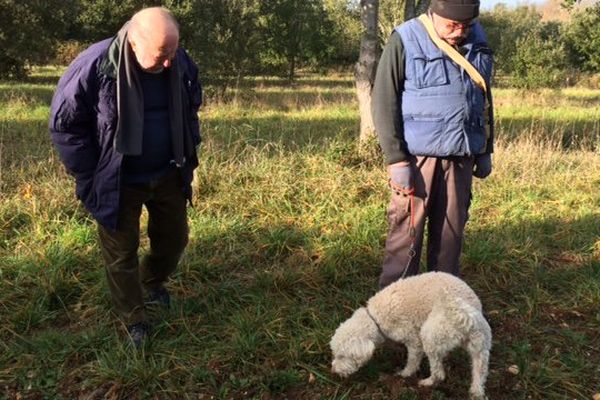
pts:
[362, 349]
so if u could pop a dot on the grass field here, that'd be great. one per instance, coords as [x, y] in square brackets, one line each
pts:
[287, 239]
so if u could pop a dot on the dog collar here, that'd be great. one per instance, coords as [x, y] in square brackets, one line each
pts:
[377, 324]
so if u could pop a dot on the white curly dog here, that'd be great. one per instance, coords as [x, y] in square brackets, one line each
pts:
[433, 313]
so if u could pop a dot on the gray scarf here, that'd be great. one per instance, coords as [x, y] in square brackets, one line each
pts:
[130, 101]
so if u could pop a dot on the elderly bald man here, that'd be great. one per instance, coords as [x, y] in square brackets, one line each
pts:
[124, 121]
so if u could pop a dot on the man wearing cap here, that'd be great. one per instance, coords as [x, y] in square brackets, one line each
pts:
[434, 122]
[124, 121]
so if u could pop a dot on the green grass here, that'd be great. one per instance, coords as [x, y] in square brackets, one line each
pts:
[287, 239]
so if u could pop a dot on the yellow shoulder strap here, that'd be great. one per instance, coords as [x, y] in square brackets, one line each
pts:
[453, 53]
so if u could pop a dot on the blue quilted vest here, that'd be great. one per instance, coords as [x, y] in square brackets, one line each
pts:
[442, 108]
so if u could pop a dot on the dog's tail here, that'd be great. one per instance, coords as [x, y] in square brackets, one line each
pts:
[467, 317]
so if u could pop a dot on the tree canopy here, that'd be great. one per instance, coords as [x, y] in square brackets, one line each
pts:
[232, 39]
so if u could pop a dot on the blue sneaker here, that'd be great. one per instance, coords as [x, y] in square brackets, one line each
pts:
[138, 333]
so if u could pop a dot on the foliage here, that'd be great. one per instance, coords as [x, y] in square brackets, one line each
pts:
[29, 31]
[583, 37]
[66, 51]
[391, 14]
[101, 19]
[539, 60]
[344, 37]
[504, 26]
[414, 8]
[295, 32]
[223, 36]
[234, 39]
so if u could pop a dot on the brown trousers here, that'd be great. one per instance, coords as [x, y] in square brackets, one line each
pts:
[442, 198]
[168, 234]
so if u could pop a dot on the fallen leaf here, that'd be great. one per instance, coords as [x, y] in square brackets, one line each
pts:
[578, 314]
[513, 369]
[311, 378]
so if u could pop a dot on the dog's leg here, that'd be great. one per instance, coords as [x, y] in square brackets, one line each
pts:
[479, 373]
[436, 368]
[414, 357]
[478, 346]
[438, 339]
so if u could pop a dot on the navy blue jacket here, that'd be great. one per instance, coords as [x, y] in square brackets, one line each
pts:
[83, 121]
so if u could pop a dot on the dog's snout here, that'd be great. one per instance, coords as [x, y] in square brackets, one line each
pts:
[333, 370]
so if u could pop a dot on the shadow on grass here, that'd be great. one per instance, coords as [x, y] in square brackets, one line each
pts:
[51, 79]
[253, 300]
[295, 100]
[282, 271]
[26, 93]
[291, 133]
[586, 101]
[581, 134]
[258, 303]
[539, 283]
[30, 137]
[302, 81]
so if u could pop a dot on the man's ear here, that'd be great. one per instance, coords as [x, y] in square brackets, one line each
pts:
[132, 43]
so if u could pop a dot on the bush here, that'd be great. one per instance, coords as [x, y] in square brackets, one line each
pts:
[67, 51]
[590, 81]
[29, 31]
[583, 38]
[504, 27]
[539, 59]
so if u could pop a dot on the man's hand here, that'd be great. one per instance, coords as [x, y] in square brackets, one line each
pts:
[483, 166]
[401, 176]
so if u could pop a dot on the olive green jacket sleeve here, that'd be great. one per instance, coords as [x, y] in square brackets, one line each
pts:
[386, 101]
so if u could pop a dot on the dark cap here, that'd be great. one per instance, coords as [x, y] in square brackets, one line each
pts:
[456, 10]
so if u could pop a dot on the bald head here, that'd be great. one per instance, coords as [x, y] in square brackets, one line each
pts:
[154, 38]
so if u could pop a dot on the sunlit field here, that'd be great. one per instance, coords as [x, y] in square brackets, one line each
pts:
[287, 235]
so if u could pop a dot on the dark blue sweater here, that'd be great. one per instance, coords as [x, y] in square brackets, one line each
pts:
[157, 150]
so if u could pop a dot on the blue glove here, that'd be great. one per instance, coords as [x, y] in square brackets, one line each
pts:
[483, 166]
[401, 176]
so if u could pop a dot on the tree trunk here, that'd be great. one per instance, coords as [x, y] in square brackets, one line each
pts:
[409, 10]
[291, 68]
[366, 67]
[422, 6]
[414, 8]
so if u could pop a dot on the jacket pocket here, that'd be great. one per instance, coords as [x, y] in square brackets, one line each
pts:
[192, 98]
[423, 135]
[430, 70]
[398, 209]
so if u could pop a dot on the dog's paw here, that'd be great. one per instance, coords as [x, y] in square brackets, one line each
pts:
[427, 382]
[405, 373]
[477, 396]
